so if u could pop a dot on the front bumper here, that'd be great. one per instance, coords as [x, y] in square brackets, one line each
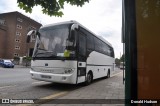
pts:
[50, 77]
[8, 66]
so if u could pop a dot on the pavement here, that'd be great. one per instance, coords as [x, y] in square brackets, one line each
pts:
[101, 92]
[21, 66]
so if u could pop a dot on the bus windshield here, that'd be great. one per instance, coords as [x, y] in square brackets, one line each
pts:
[52, 42]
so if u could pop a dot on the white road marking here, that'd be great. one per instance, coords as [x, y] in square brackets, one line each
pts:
[37, 82]
[45, 99]
[55, 95]
[9, 86]
[116, 74]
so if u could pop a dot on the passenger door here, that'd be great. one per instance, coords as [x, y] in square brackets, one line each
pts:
[81, 69]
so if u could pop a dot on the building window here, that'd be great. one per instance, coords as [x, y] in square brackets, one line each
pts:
[2, 22]
[18, 33]
[17, 47]
[19, 26]
[31, 28]
[16, 54]
[19, 19]
[33, 38]
[17, 40]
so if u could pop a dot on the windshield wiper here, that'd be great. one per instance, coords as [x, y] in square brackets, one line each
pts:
[43, 49]
[51, 53]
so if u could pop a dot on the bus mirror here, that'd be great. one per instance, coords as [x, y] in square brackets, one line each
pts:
[69, 45]
[30, 34]
[72, 39]
[73, 33]
[74, 26]
[37, 33]
[28, 38]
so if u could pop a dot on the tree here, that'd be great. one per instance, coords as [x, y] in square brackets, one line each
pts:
[49, 7]
[122, 58]
[117, 62]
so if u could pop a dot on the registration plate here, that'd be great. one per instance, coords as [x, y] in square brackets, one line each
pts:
[46, 76]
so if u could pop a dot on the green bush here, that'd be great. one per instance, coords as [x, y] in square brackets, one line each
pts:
[16, 58]
[27, 58]
[26, 61]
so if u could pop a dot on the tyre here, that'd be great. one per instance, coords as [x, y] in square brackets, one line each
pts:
[89, 78]
[108, 74]
[3, 66]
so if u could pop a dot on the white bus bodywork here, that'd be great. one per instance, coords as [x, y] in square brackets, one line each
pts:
[67, 71]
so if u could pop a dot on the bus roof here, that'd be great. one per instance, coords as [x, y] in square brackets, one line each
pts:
[75, 22]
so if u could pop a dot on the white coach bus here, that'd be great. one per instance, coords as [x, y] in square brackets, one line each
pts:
[69, 53]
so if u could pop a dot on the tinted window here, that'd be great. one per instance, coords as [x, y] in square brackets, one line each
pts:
[90, 42]
[82, 44]
[93, 43]
[112, 52]
[98, 45]
[105, 48]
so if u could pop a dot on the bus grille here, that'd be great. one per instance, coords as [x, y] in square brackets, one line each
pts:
[50, 70]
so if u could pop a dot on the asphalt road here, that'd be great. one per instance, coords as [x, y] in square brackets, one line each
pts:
[15, 83]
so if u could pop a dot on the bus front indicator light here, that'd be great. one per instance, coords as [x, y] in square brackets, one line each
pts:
[68, 71]
[64, 78]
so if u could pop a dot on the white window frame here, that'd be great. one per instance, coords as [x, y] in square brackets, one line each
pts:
[16, 54]
[18, 33]
[17, 47]
[19, 26]
[31, 28]
[2, 22]
[17, 40]
[19, 19]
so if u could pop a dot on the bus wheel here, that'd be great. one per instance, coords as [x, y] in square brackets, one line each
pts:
[89, 78]
[108, 74]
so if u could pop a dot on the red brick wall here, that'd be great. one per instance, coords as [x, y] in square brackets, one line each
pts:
[10, 34]
[10, 23]
[2, 41]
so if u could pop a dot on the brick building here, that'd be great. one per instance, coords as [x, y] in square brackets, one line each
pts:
[14, 27]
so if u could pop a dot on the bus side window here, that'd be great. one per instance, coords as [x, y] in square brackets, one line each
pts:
[90, 42]
[82, 44]
[112, 53]
[105, 48]
[98, 45]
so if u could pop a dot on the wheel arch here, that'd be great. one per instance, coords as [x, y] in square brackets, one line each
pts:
[90, 71]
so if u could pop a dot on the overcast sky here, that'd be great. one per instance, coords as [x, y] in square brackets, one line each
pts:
[103, 17]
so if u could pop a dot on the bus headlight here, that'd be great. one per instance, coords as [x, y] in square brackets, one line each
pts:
[68, 71]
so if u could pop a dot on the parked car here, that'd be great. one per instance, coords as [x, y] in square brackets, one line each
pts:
[1, 61]
[6, 63]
